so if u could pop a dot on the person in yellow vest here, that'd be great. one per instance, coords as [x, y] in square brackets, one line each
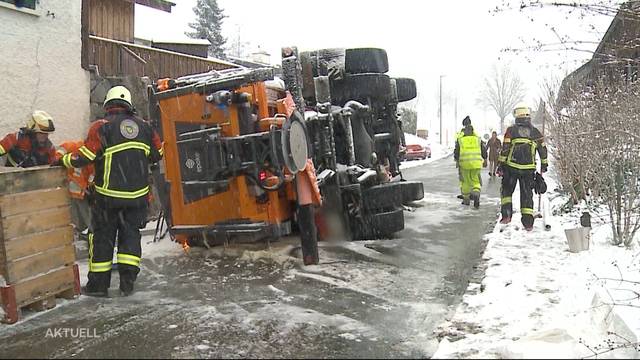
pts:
[79, 180]
[465, 122]
[471, 155]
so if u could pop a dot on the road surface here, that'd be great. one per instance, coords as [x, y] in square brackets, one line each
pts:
[367, 299]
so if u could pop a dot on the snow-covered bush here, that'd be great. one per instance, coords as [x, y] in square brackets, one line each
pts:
[595, 132]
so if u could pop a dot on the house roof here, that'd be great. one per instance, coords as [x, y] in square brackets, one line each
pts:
[163, 5]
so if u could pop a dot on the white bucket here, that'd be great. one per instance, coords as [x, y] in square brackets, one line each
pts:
[578, 239]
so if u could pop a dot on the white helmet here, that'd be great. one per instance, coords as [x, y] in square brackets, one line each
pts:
[118, 95]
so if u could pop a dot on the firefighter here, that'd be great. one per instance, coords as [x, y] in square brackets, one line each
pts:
[471, 155]
[30, 146]
[79, 180]
[122, 146]
[308, 199]
[517, 164]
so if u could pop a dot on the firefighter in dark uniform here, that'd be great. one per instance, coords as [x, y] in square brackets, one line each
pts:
[122, 146]
[31, 145]
[517, 163]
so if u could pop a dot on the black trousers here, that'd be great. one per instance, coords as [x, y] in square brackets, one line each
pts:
[110, 224]
[510, 179]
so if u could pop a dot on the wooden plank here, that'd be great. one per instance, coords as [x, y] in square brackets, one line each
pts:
[32, 201]
[44, 286]
[35, 243]
[34, 178]
[42, 263]
[25, 224]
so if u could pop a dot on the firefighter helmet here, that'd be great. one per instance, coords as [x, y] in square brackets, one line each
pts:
[118, 95]
[40, 122]
[521, 111]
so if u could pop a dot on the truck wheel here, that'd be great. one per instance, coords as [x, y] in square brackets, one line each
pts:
[366, 60]
[411, 191]
[378, 225]
[360, 87]
[382, 196]
[406, 89]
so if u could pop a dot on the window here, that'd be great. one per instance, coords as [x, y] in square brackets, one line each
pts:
[29, 4]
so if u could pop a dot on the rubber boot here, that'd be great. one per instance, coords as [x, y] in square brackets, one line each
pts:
[98, 284]
[128, 275]
[476, 199]
[308, 237]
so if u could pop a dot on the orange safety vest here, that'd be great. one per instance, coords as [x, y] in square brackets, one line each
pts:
[79, 178]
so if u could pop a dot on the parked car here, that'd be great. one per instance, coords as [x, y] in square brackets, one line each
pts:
[417, 152]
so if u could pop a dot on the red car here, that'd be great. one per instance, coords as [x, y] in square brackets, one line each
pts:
[417, 152]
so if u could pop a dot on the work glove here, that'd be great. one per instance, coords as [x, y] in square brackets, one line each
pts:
[500, 171]
[484, 163]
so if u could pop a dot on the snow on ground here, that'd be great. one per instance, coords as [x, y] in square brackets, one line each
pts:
[538, 300]
[438, 151]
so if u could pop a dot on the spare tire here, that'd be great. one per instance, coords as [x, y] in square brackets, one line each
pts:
[406, 89]
[366, 60]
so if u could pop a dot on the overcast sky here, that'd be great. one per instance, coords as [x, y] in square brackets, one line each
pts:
[460, 39]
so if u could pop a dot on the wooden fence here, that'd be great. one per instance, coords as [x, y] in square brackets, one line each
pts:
[118, 58]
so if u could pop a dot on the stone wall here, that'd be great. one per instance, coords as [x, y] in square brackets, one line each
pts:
[100, 86]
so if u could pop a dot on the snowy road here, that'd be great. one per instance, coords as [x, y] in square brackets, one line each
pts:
[366, 299]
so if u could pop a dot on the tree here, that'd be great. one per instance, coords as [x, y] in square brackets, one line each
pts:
[208, 26]
[409, 118]
[501, 90]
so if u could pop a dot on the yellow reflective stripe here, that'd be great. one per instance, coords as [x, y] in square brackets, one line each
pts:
[11, 161]
[505, 200]
[66, 160]
[90, 247]
[520, 166]
[507, 140]
[526, 211]
[161, 151]
[123, 194]
[87, 153]
[2, 150]
[107, 171]
[523, 141]
[502, 158]
[128, 259]
[129, 145]
[100, 266]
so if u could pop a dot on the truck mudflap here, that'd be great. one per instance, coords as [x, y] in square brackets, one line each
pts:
[241, 231]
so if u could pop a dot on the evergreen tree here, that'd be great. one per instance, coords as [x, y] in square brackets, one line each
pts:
[208, 25]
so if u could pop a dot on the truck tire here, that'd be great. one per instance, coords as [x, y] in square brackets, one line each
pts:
[366, 60]
[383, 196]
[360, 87]
[406, 89]
[378, 225]
[411, 191]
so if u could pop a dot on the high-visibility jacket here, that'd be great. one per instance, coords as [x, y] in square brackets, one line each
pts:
[470, 154]
[121, 146]
[22, 150]
[521, 142]
[79, 178]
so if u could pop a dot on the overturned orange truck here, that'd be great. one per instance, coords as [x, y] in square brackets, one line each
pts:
[235, 140]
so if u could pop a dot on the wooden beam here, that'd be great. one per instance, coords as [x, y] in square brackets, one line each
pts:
[157, 4]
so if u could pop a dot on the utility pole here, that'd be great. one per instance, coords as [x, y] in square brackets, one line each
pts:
[440, 109]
